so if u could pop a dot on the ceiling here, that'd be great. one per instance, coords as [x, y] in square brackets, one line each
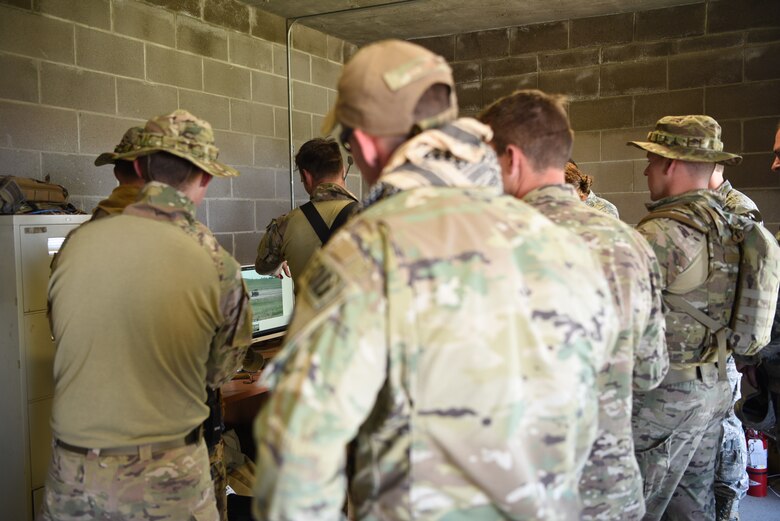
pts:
[363, 21]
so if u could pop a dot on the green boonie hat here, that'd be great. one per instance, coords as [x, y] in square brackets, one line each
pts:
[183, 135]
[381, 85]
[126, 145]
[689, 138]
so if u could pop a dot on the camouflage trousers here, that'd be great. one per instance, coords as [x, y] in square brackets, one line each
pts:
[219, 477]
[174, 485]
[677, 432]
[731, 480]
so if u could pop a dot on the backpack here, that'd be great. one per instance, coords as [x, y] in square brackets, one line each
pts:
[318, 224]
[19, 195]
[734, 243]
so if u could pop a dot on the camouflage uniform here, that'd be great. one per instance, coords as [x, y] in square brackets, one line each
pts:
[677, 426]
[290, 237]
[601, 205]
[731, 480]
[137, 342]
[430, 329]
[611, 486]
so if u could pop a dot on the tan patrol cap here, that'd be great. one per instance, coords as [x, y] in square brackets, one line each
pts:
[381, 85]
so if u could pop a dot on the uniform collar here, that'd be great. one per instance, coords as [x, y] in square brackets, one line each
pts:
[166, 199]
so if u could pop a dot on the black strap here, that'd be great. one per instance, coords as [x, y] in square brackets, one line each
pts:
[316, 221]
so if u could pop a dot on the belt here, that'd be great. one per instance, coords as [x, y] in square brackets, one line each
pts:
[678, 375]
[150, 448]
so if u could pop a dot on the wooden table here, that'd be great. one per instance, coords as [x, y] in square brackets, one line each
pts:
[243, 399]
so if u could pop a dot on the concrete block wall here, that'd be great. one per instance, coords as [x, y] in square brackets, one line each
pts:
[623, 72]
[77, 73]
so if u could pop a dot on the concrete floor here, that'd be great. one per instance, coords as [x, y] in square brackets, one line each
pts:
[762, 508]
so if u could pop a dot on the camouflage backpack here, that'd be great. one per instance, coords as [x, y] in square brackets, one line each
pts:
[742, 283]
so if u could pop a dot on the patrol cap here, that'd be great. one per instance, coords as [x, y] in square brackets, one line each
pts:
[689, 138]
[127, 144]
[183, 135]
[381, 85]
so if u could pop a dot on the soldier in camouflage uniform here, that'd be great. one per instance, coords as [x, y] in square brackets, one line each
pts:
[291, 238]
[601, 204]
[677, 426]
[146, 310]
[532, 138]
[130, 183]
[430, 328]
[731, 480]
[581, 182]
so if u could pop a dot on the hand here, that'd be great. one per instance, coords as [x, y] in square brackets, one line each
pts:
[282, 270]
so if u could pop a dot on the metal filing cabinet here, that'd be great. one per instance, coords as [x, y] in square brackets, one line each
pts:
[27, 245]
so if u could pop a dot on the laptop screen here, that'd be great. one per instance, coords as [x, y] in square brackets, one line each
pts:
[271, 299]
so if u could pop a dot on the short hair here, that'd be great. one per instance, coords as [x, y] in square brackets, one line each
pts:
[536, 123]
[434, 101]
[579, 180]
[168, 168]
[320, 157]
[125, 171]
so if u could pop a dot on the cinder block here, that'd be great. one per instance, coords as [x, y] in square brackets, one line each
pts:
[633, 78]
[469, 96]
[325, 73]
[226, 80]
[349, 50]
[197, 37]
[601, 113]
[281, 123]
[271, 153]
[251, 118]
[574, 83]
[100, 134]
[731, 135]
[758, 134]
[568, 59]
[309, 98]
[640, 180]
[598, 30]
[636, 52]
[77, 89]
[24, 4]
[670, 22]
[174, 67]
[762, 62]
[226, 241]
[246, 247]
[763, 35]
[227, 13]
[356, 186]
[235, 148]
[310, 41]
[19, 79]
[280, 60]
[766, 200]
[465, 72]
[22, 163]
[733, 16]
[190, 7]
[743, 101]
[444, 46]
[587, 147]
[301, 66]
[214, 109]
[649, 108]
[301, 125]
[140, 99]
[539, 37]
[482, 44]
[202, 212]
[38, 128]
[269, 27]
[613, 144]
[255, 183]
[267, 88]
[109, 53]
[611, 176]
[267, 210]
[495, 88]
[79, 174]
[709, 42]
[282, 184]
[513, 66]
[335, 49]
[33, 35]
[227, 215]
[316, 125]
[221, 187]
[250, 52]
[631, 206]
[132, 18]
[705, 68]
[754, 172]
[95, 13]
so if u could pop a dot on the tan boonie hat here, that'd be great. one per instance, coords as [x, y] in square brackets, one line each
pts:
[381, 85]
[127, 144]
[689, 138]
[183, 135]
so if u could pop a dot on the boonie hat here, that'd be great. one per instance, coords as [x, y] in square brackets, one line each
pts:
[381, 85]
[127, 144]
[689, 138]
[183, 135]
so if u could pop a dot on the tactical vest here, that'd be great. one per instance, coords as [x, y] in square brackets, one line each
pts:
[736, 303]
